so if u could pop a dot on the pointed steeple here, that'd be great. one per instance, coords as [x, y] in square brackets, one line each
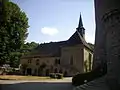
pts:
[80, 22]
[80, 27]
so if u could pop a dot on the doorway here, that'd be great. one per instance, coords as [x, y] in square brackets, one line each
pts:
[29, 71]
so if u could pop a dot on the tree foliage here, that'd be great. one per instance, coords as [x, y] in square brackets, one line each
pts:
[13, 31]
[28, 47]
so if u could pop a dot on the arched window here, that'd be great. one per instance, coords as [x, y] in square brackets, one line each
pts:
[37, 62]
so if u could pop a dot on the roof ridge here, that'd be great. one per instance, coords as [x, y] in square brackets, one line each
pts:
[84, 41]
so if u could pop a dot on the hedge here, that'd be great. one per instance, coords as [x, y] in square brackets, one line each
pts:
[80, 79]
[59, 76]
[56, 75]
[52, 75]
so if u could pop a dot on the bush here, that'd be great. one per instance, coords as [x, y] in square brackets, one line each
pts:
[13, 71]
[59, 76]
[56, 75]
[52, 75]
[80, 79]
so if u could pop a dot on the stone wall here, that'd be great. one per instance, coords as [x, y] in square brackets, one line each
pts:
[34, 64]
[108, 32]
[71, 61]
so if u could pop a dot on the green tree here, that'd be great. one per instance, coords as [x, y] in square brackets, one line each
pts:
[13, 31]
[28, 47]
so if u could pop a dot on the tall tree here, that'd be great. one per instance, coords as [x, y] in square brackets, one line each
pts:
[13, 30]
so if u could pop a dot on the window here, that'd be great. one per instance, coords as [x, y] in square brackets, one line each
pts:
[37, 62]
[29, 61]
[71, 60]
[57, 61]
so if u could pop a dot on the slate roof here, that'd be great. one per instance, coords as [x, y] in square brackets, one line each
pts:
[50, 49]
[76, 38]
[53, 49]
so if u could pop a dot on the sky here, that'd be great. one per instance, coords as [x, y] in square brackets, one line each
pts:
[57, 20]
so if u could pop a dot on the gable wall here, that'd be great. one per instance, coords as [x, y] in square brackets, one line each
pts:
[77, 53]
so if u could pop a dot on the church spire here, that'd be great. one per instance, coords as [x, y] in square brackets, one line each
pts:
[80, 27]
[80, 22]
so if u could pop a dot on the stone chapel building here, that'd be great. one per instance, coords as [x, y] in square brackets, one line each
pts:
[69, 57]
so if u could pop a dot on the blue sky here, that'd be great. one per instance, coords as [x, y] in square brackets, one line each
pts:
[56, 20]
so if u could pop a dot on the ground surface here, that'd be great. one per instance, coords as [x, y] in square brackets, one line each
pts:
[14, 77]
[43, 84]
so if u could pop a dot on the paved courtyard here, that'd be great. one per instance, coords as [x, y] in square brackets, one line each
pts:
[64, 84]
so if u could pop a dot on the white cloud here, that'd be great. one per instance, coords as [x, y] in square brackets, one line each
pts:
[49, 31]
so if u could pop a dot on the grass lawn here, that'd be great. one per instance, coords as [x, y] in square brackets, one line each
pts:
[15, 77]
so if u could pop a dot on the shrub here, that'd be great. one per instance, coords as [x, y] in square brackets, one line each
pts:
[59, 76]
[52, 75]
[80, 79]
[13, 71]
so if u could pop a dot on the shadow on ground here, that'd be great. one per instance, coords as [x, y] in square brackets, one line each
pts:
[37, 86]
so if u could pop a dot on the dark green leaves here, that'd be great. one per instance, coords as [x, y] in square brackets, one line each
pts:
[13, 32]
